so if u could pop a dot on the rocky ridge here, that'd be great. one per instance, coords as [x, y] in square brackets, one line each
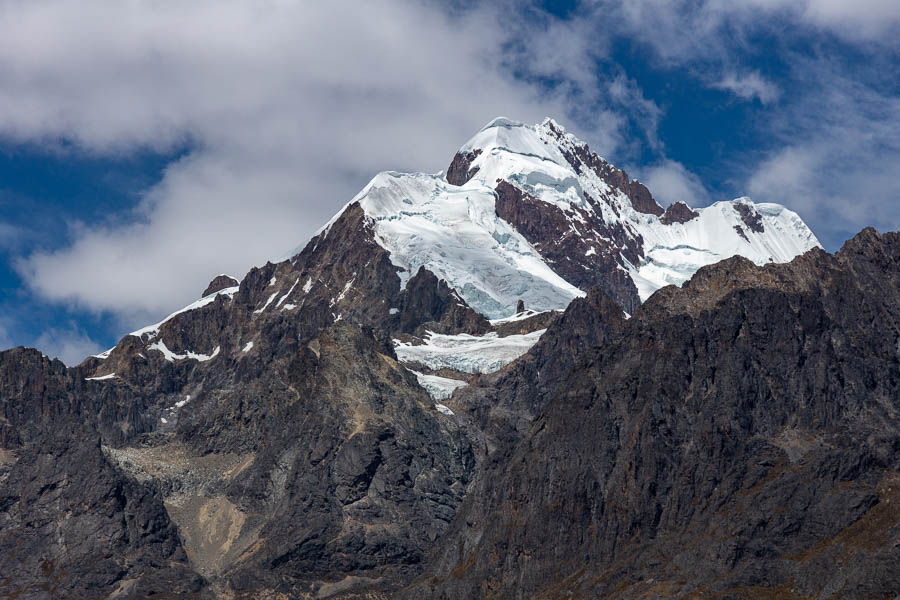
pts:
[737, 438]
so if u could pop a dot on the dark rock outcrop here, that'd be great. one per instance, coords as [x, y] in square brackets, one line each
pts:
[220, 282]
[503, 404]
[586, 251]
[678, 212]
[428, 303]
[739, 438]
[74, 527]
[581, 157]
[460, 170]
[751, 218]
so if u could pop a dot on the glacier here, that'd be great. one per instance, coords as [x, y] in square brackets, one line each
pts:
[467, 353]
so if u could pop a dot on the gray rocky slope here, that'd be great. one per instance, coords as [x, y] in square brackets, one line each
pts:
[734, 437]
[737, 438]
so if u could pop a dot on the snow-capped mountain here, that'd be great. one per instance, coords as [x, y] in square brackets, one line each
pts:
[529, 212]
[399, 402]
[526, 217]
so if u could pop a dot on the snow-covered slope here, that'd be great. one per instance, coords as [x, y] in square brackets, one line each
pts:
[588, 224]
[456, 233]
[674, 252]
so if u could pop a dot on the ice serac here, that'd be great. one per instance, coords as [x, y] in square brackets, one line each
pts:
[529, 212]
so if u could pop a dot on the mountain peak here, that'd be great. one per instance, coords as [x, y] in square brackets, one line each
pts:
[530, 212]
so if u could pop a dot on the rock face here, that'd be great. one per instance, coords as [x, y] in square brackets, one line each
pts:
[738, 438]
[584, 250]
[580, 157]
[460, 171]
[263, 440]
[75, 527]
[678, 212]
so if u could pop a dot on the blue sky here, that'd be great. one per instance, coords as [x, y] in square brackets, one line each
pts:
[146, 147]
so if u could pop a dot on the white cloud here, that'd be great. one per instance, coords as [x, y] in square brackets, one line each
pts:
[749, 86]
[838, 157]
[9, 235]
[862, 19]
[288, 108]
[684, 30]
[829, 125]
[5, 339]
[70, 345]
[669, 181]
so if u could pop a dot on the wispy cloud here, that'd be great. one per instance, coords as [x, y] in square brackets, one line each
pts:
[9, 235]
[837, 158]
[5, 338]
[71, 345]
[749, 86]
[669, 181]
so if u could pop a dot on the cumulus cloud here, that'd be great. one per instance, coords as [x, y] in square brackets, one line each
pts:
[287, 109]
[669, 181]
[749, 86]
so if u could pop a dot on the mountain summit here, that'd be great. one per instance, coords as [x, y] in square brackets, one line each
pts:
[529, 212]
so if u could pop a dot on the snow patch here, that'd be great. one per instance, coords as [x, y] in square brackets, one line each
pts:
[105, 354]
[266, 305]
[525, 314]
[456, 233]
[467, 353]
[101, 378]
[673, 253]
[247, 347]
[439, 388]
[283, 298]
[172, 356]
[443, 409]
